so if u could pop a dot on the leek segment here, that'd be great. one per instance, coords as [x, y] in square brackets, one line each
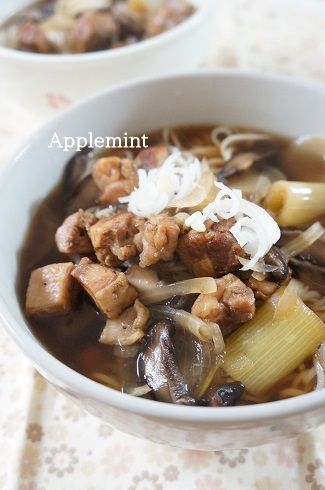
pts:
[296, 203]
[282, 334]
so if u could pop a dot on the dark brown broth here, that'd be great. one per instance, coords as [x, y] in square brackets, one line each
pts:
[73, 339]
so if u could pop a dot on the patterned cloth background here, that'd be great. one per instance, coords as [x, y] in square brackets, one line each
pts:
[47, 443]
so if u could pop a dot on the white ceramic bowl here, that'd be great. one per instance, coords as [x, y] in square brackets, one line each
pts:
[38, 81]
[272, 104]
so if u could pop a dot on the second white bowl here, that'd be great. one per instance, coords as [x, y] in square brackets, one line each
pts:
[42, 82]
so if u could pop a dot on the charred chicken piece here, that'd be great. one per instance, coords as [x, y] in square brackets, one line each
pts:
[232, 304]
[262, 289]
[51, 290]
[31, 37]
[211, 253]
[128, 328]
[109, 288]
[157, 239]
[72, 237]
[93, 30]
[130, 20]
[113, 238]
[115, 177]
[152, 157]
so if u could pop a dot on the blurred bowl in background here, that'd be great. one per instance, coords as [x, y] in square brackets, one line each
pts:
[39, 81]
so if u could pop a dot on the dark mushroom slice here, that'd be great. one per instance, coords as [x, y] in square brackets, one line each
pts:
[264, 288]
[226, 395]
[184, 302]
[315, 253]
[79, 189]
[311, 274]
[243, 161]
[309, 265]
[276, 258]
[158, 366]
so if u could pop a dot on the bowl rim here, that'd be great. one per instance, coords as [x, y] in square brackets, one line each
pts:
[191, 22]
[85, 387]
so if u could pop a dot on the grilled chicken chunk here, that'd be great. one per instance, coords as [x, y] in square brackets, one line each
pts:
[115, 177]
[231, 305]
[157, 239]
[51, 290]
[113, 238]
[93, 30]
[109, 288]
[211, 253]
[72, 237]
[128, 328]
[152, 157]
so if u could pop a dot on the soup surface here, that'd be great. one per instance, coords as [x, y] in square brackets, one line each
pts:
[73, 26]
[163, 273]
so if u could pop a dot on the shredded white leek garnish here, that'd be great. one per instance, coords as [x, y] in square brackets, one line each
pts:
[159, 187]
[181, 173]
[255, 230]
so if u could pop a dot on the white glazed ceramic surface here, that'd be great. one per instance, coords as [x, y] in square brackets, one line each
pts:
[68, 77]
[268, 103]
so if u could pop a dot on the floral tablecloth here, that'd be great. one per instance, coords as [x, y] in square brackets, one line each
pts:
[49, 443]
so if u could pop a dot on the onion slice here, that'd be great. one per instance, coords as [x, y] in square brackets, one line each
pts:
[201, 329]
[303, 241]
[200, 285]
[143, 279]
[138, 390]
[319, 363]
